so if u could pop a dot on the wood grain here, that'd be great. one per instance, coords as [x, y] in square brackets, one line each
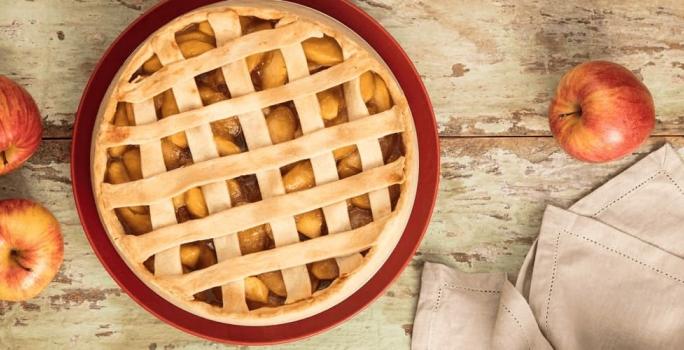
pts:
[490, 69]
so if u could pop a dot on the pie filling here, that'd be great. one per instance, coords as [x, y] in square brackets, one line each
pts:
[267, 70]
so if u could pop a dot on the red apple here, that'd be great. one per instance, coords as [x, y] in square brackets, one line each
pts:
[20, 125]
[31, 249]
[601, 112]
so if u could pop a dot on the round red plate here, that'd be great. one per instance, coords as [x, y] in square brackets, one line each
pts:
[428, 180]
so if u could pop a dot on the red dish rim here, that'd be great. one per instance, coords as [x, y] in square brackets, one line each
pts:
[428, 181]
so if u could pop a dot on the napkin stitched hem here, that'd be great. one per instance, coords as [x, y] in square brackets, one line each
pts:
[567, 224]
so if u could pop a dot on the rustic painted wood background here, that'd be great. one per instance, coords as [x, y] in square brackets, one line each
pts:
[490, 68]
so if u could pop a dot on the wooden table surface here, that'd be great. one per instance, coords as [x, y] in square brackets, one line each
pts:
[490, 68]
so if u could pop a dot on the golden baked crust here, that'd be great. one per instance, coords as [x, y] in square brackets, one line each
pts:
[209, 171]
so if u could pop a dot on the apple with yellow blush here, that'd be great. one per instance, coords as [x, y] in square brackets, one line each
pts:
[31, 249]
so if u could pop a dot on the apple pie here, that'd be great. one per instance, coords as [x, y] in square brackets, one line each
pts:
[254, 164]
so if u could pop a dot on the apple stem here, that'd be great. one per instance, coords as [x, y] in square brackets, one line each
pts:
[578, 111]
[563, 115]
[3, 158]
[14, 254]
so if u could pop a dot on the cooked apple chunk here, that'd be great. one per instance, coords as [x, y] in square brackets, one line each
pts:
[273, 70]
[190, 254]
[282, 124]
[120, 119]
[325, 269]
[310, 224]
[192, 48]
[274, 281]
[136, 223]
[381, 100]
[350, 165]
[194, 200]
[174, 156]
[254, 239]
[225, 146]
[330, 102]
[205, 28]
[343, 152]
[207, 256]
[324, 51]
[300, 177]
[152, 65]
[256, 290]
[361, 201]
[116, 172]
[367, 82]
[131, 160]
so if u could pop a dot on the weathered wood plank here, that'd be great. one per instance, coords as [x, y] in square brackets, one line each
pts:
[491, 200]
[494, 191]
[490, 68]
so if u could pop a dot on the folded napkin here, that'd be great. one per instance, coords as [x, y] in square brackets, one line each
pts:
[608, 273]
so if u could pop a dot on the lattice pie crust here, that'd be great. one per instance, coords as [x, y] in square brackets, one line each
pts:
[234, 152]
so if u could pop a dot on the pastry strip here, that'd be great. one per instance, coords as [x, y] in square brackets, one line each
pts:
[323, 165]
[279, 258]
[227, 52]
[112, 135]
[251, 214]
[168, 184]
[162, 213]
[369, 150]
[255, 130]
[202, 148]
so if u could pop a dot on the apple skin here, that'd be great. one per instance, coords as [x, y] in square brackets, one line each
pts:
[601, 112]
[31, 249]
[20, 125]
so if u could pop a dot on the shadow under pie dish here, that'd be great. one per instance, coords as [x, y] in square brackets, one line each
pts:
[253, 164]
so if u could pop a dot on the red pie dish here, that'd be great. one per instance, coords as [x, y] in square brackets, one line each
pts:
[248, 171]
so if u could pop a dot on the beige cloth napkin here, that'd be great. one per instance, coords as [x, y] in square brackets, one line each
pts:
[606, 274]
